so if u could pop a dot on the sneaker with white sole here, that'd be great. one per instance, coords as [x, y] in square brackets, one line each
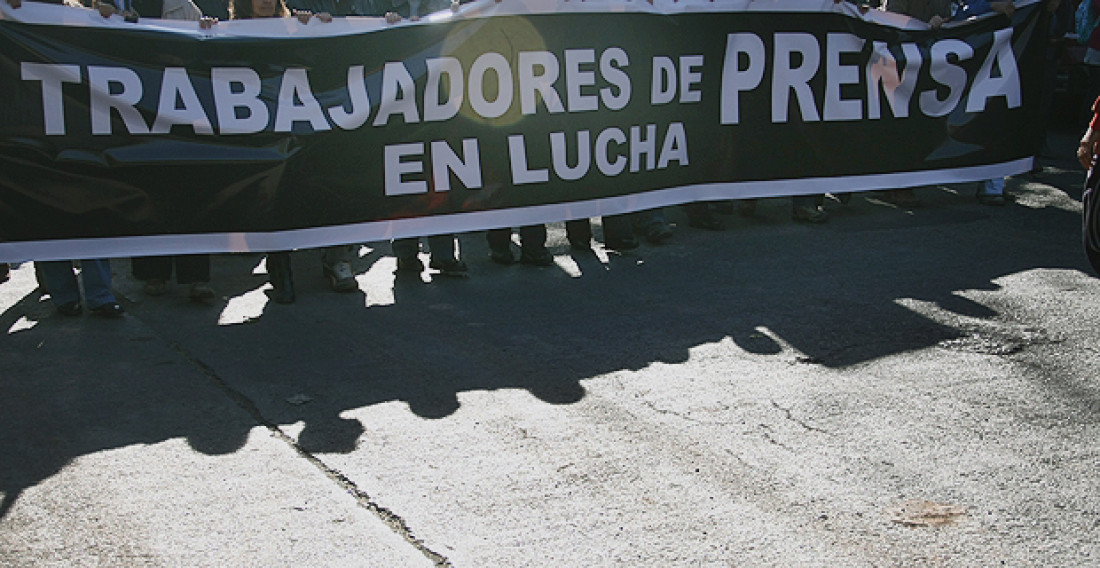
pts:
[340, 276]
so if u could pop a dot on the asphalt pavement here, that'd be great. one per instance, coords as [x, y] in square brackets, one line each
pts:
[898, 387]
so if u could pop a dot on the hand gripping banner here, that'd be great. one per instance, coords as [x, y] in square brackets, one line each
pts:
[157, 137]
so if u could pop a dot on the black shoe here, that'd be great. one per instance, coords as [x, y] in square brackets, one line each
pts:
[621, 243]
[69, 309]
[450, 267]
[281, 278]
[536, 257]
[502, 256]
[108, 310]
[5, 271]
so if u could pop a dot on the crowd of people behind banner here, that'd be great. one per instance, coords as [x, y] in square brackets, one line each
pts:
[620, 232]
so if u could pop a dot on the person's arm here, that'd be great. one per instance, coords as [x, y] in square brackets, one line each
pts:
[180, 10]
[1090, 142]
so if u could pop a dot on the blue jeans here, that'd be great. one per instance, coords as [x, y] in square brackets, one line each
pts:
[64, 288]
[995, 186]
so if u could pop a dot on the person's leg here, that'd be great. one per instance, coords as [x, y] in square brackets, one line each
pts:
[61, 285]
[618, 233]
[532, 244]
[442, 247]
[579, 234]
[336, 266]
[281, 277]
[444, 258]
[150, 267]
[500, 245]
[406, 251]
[405, 248]
[994, 186]
[194, 269]
[338, 253]
[154, 271]
[499, 238]
[992, 192]
[96, 274]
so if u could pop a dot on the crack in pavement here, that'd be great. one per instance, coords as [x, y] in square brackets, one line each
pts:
[766, 432]
[687, 416]
[790, 416]
[391, 519]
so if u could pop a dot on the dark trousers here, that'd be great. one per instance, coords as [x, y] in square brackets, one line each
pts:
[614, 227]
[529, 236]
[189, 268]
[442, 247]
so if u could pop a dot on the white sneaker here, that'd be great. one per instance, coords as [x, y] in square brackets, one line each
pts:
[340, 276]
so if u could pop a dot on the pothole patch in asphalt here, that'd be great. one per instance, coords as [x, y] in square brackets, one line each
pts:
[923, 513]
[991, 343]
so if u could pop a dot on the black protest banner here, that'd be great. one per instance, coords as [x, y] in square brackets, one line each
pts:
[120, 139]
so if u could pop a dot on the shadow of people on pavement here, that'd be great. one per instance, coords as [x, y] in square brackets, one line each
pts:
[834, 295]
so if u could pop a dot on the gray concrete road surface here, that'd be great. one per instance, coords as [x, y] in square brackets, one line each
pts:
[895, 388]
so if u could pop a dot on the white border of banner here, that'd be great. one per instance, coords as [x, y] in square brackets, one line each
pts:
[479, 220]
[288, 28]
